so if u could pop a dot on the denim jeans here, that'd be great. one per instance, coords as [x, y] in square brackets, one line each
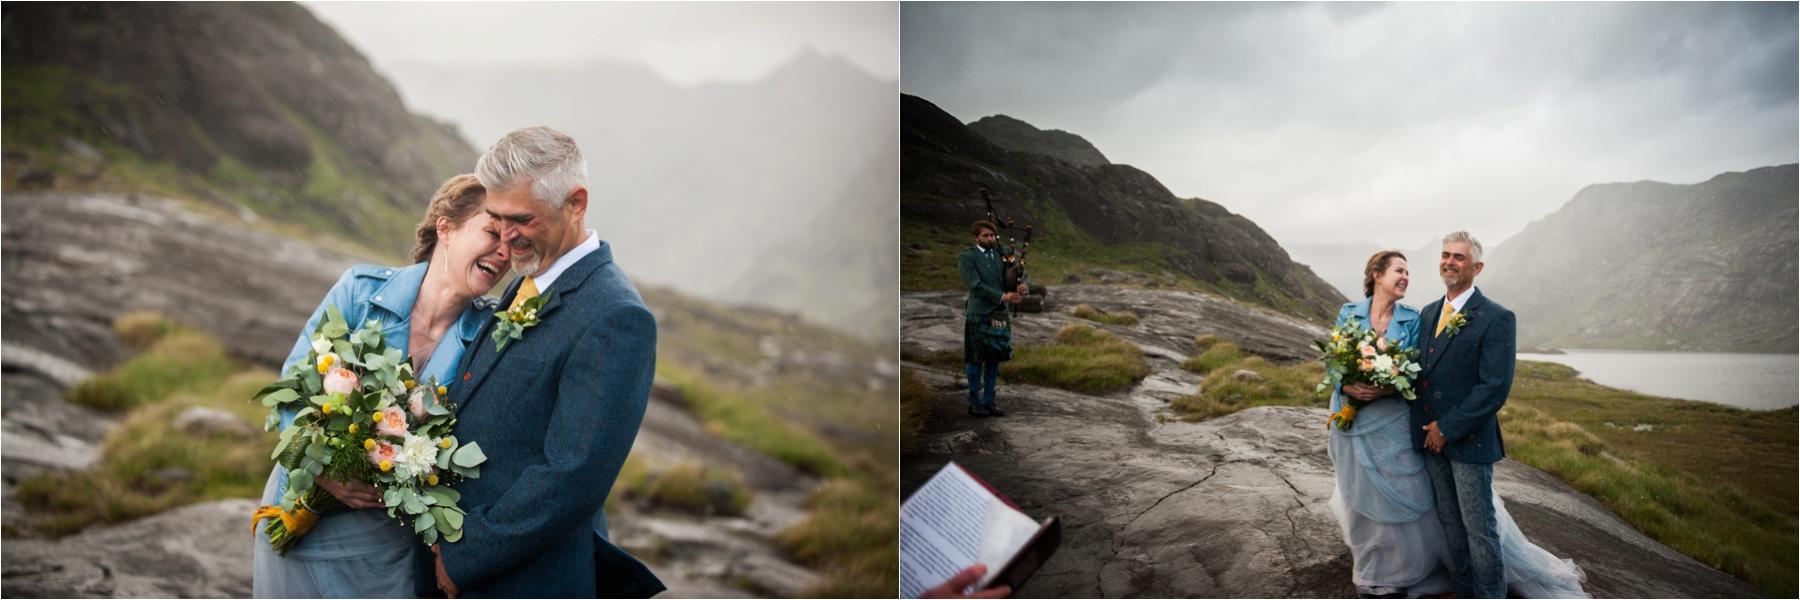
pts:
[1465, 504]
[982, 377]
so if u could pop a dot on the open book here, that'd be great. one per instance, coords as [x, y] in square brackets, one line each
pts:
[955, 521]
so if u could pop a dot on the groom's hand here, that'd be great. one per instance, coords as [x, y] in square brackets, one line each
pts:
[353, 494]
[1434, 439]
[443, 577]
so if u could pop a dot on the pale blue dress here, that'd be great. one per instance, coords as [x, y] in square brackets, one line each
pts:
[1388, 512]
[361, 553]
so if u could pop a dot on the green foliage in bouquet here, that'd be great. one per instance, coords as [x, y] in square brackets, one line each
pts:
[1355, 354]
[359, 416]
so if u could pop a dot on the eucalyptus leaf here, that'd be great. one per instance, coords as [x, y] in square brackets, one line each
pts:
[469, 455]
[431, 536]
[299, 481]
[453, 518]
[445, 496]
[454, 536]
[424, 522]
[280, 396]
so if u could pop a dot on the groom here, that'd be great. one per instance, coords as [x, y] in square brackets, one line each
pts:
[557, 409]
[1468, 370]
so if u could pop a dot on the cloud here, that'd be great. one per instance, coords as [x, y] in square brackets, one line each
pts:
[1382, 123]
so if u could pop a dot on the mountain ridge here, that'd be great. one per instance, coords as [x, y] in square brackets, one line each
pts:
[1091, 219]
[1707, 266]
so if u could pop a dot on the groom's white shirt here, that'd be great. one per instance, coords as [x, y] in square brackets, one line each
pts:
[562, 263]
[1458, 302]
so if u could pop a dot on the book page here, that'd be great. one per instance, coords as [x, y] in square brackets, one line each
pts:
[951, 523]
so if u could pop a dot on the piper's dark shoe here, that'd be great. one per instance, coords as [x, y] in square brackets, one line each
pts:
[976, 411]
[994, 411]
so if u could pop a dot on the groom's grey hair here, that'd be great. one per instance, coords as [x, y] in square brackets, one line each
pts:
[1464, 237]
[549, 158]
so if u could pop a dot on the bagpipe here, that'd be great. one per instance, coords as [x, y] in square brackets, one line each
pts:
[1014, 253]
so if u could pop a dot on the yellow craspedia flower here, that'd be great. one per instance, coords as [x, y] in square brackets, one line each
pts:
[353, 428]
[443, 390]
[369, 444]
[410, 383]
[432, 480]
[326, 408]
[444, 443]
[325, 362]
[387, 465]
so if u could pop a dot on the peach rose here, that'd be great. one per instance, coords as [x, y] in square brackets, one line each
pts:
[415, 403]
[1366, 350]
[1381, 344]
[391, 422]
[383, 451]
[341, 381]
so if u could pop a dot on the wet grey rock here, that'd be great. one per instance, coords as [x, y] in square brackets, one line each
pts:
[1168, 320]
[200, 420]
[198, 551]
[69, 258]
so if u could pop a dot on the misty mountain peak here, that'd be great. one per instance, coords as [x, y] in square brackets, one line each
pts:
[1019, 136]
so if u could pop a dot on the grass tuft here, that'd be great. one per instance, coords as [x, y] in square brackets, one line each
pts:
[1216, 354]
[148, 466]
[687, 486]
[143, 328]
[851, 534]
[742, 421]
[916, 398]
[1223, 393]
[175, 362]
[1096, 315]
[1083, 359]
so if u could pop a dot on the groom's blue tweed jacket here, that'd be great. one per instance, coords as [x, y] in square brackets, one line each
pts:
[1465, 379]
[556, 413]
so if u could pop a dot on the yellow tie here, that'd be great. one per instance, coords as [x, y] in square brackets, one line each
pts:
[527, 291]
[1448, 312]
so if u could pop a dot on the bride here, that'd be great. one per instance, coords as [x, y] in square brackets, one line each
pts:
[1384, 500]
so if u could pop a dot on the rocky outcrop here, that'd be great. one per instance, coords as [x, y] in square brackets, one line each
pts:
[1235, 506]
[198, 551]
[1168, 320]
[1655, 266]
[1085, 212]
[292, 122]
[1019, 136]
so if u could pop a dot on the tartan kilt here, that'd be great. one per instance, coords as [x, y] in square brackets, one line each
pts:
[987, 339]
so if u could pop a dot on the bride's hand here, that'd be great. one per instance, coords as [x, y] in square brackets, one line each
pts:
[1361, 391]
[353, 494]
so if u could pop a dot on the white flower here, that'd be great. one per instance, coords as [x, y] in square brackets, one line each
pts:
[320, 345]
[418, 455]
[1384, 363]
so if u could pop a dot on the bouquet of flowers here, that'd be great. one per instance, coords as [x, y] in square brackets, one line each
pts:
[360, 416]
[1355, 354]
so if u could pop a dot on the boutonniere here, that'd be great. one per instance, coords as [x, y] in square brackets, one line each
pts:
[1455, 324]
[513, 323]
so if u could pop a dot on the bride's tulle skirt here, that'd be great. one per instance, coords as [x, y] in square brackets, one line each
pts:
[1385, 506]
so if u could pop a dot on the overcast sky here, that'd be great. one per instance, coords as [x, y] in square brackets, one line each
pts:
[686, 43]
[1379, 123]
